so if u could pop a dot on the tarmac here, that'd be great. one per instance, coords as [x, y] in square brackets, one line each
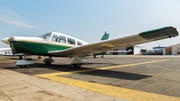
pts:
[16, 86]
[112, 78]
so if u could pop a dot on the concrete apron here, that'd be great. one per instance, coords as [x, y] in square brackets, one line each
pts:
[16, 86]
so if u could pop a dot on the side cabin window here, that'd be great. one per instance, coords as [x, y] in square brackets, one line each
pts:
[79, 43]
[56, 38]
[62, 39]
[71, 41]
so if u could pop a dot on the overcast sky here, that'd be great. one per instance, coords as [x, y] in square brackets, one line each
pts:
[88, 19]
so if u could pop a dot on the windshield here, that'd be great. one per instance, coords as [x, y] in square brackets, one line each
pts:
[45, 36]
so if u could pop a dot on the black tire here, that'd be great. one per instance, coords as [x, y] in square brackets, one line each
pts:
[77, 66]
[102, 56]
[39, 57]
[23, 66]
[20, 57]
[19, 66]
[47, 63]
[94, 56]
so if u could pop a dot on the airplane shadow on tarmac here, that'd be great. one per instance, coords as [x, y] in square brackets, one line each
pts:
[40, 68]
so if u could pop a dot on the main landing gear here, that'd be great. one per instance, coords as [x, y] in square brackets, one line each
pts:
[48, 61]
[24, 62]
[102, 56]
[25, 57]
[76, 63]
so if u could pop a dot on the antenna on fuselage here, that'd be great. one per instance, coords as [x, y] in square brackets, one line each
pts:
[62, 30]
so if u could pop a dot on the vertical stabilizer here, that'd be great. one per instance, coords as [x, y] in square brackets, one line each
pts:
[105, 36]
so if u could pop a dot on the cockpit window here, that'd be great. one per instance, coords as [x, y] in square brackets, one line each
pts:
[56, 38]
[71, 41]
[46, 36]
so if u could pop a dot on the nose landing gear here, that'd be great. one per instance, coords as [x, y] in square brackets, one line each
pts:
[48, 61]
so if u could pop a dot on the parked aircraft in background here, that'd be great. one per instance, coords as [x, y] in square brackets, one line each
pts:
[5, 51]
[8, 52]
[55, 44]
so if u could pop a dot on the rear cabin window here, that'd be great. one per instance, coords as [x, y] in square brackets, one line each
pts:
[62, 39]
[79, 43]
[71, 41]
[56, 38]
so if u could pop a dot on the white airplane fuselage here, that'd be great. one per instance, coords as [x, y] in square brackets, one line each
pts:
[43, 44]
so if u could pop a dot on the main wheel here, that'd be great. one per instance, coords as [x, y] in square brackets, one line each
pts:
[102, 56]
[77, 66]
[39, 57]
[47, 63]
[94, 56]
[20, 57]
[23, 66]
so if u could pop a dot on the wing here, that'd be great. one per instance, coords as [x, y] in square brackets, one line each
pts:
[104, 46]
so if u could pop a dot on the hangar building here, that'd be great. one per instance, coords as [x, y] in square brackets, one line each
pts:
[172, 50]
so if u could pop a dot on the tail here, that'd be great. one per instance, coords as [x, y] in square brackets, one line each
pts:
[105, 36]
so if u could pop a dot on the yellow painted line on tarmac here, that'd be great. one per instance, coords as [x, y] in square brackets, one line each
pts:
[107, 89]
[96, 69]
[113, 91]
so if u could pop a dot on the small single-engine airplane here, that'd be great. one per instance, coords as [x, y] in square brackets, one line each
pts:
[8, 51]
[60, 45]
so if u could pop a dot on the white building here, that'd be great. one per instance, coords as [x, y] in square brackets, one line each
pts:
[138, 50]
[172, 50]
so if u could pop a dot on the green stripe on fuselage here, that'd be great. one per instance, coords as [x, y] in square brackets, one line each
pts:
[35, 48]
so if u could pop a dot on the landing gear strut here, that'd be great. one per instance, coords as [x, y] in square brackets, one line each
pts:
[27, 58]
[94, 56]
[20, 57]
[77, 62]
[48, 61]
[102, 56]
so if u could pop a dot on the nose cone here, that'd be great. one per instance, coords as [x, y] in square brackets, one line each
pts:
[5, 40]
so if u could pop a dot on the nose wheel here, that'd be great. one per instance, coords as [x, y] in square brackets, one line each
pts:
[48, 61]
